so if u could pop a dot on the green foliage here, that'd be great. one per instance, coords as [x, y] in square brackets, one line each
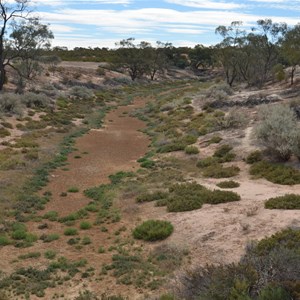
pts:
[70, 231]
[4, 132]
[206, 162]
[276, 173]
[85, 225]
[288, 201]
[48, 238]
[191, 150]
[254, 157]
[147, 197]
[50, 254]
[190, 196]
[4, 240]
[51, 215]
[119, 176]
[215, 140]
[218, 171]
[148, 164]
[230, 184]
[153, 230]
[274, 293]
[224, 154]
[73, 190]
[30, 255]
[81, 93]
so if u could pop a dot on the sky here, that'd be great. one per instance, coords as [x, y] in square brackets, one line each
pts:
[102, 23]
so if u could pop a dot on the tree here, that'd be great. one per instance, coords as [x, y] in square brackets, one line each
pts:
[201, 56]
[26, 37]
[291, 49]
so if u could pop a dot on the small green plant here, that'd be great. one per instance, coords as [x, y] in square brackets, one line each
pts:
[215, 140]
[85, 225]
[50, 254]
[153, 230]
[190, 150]
[30, 255]
[230, 184]
[70, 231]
[73, 190]
[4, 240]
[218, 171]
[48, 238]
[254, 157]
[101, 249]
[86, 240]
[288, 201]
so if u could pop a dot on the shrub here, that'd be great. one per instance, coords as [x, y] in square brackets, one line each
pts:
[11, 103]
[51, 215]
[254, 157]
[217, 197]
[48, 238]
[224, 154]
[32, 100]
[288, 201]
[234, 119]
[171, 147]
[228, 184]
[215, 140]
[70, 231]
[73, 190]
[153, 230]
[218, 171]
[85, 225]
[206, 162]
[278, 130]
[50, 254]
[30, 255]
[275, 173]
[4, 132]
[4, 240]
[191, 150]
[147, 197]
[80, 92]
[148, 164]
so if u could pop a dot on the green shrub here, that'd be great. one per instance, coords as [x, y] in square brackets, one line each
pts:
[288, 201]
[191, 150]
[85, 225]
[147, 197]
[51, 215]
[217, 196]
[230, 184]
[50, 254]
[81, 92]
[278, 130]
[4, 132]
[171, 147]
[153, 230]
[276, 173]
[206, 162]
[70, 231]
[30, 255]
[73, 190]
[254, 157]
[218, 171]
[86, 240]
[274, 293]
[19, 234]
[48, 238]
[215, 140]
[148, 164]
[4, 240]
[224, 154]
[119, 176]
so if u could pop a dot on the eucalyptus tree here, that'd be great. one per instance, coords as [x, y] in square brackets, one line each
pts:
[21, 35]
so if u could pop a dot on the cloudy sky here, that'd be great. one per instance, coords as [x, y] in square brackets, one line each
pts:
[101, 23]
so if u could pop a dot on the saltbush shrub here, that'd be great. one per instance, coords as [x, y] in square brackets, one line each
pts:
[288, 201]
[32, 100]
[153, 230]
[148, 197]
[278, 130]
[81, 92]
[218, 171]
[70, 231]
[254, 157]
[230, 184]
[191, 150]
[11, 104]
[276, 173]
[85, 225]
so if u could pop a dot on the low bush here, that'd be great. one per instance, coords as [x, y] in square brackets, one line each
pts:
[85, 225]
[276, 173]
[206, 162]
[4, 240]
[70, 231]
[81, 93]
[32, 100]
[288, 201]
[11, 104]
[4, 132]
[30, 255]
[218, 171]
[153, 230]
[191, 196]
[224, 154]
[215, 140]
[50, 254]
[48, 238]
[73, 190]
[254, 157]
[147, 197]
[228, 184]
[191, 150]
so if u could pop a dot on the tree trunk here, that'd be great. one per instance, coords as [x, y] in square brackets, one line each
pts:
[293, 74]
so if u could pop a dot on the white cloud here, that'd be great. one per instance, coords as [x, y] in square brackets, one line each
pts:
[208, 4]
[71, 2]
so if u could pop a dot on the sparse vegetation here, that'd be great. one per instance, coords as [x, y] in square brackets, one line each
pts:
[228, 184]
[288, 201]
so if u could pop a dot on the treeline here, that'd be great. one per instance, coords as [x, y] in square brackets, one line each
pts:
[253, 55]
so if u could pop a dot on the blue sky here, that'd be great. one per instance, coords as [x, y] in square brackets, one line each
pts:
[101, 23]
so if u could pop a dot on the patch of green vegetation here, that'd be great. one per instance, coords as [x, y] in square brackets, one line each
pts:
[147, 197]
[4, 132]
[276, 173]
[216, 139]
[48, 238]
[218, 171]
[288, 201]
[190, 150]
[85, 225]
[73, 190]
[51, 215]
[119, 176]
[50, 254]
[224, 154]
[70, 231]
[230, 184]
[30, 255]
[153, 230]
[254, 157]
[191, 196]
